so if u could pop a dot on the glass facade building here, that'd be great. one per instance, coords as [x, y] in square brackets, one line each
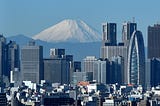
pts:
[136, 59]
[109, 36]
[127, 31]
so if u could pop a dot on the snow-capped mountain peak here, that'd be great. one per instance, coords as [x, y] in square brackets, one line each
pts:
[69, 31]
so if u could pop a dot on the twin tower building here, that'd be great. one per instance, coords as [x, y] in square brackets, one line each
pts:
[131, 50]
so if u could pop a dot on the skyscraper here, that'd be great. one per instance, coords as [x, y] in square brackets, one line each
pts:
[153, 72]
[2, 56]
[77, 66]
[112, 51]
[32, 62]
[109, 34]
[12, 56]
[58, 65]
[110, 48]
[55, 70]
[88, 63]
[117, 69]
[127, 31]
[154, 41]
[100, 71]
[136, 59]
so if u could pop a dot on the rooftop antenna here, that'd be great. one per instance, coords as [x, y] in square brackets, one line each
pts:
[133, 19]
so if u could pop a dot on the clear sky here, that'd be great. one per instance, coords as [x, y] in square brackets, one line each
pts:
[29, 17]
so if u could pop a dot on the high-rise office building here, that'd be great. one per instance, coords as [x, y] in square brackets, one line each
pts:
[112, 51]
[148, 74]
[127, 31]
[69, 62]
[59, 65]
[88, 64]
[2, 57]
[155, 72]
[108, 50]
[12, 56]
[56, 70]
[100, 71]
[136, 59]
[32, 62]
[117, 69]
[109, 34]
[77, 66]
[154, 41]
[152, 72]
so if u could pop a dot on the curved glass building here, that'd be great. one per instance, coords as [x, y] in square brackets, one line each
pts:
[136, 59]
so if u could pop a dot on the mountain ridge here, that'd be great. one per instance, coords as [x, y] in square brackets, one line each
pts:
[69, 31]
[78, 50]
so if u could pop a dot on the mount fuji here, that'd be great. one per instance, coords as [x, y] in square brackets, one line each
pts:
[69, 31]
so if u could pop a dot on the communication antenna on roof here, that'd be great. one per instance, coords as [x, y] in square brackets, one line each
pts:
[133, 19]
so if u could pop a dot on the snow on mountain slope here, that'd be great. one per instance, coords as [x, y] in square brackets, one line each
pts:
[69, 31]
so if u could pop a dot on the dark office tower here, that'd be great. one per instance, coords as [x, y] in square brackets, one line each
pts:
[119, 50]
[58, 70]
[12, 56]
[117, 69]
[32, 62]
[2, 56]
[153, 70]
[109, 34]
[69, 68]
[77, 66]
[136, 59]
[55, 70]
[127, 30]
[154, 41]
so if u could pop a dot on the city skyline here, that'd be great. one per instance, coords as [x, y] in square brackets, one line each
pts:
[31, 17]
